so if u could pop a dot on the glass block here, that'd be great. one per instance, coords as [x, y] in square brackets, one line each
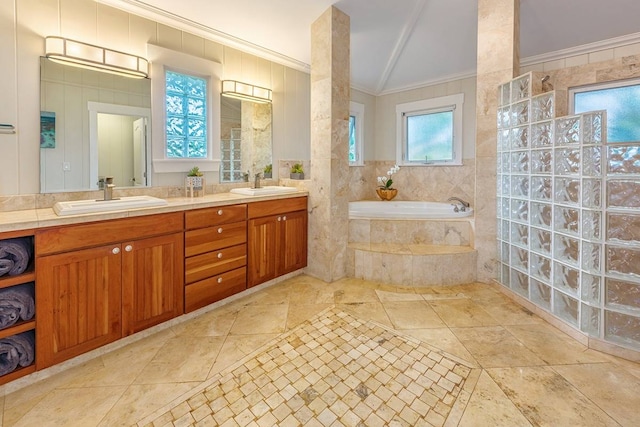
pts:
[592, 257]
[505, 162]
[590, 288]
[520, 235]
[520, 137]
[504, 140]
[540, 267]
[520, 186]
[623, 227]
[593, 125]
[519, 282]
[567, 220]
[565, 307]
[624, 159]
[566, 278]
[541, 240]
[499, 202]
[567, 130]
[566, 249]
[592, 161]
[541, 188]
[567, 161]
[505, 184]
[623, 194]
[504, 252]
[505, 230]
[542, 135]
[506, 206]
[623, 261]
[520, 258]
[520, 162]
[504, 117]
[622, 328]
[506, 93]
[540, 294]
[543, 107]
[506, 275]
[621, 294]
[521, 87]
[520, 113]
[541, 161]
[591, 193]
[519, 210]
[567, 191]
[590, 320]
[540, 214]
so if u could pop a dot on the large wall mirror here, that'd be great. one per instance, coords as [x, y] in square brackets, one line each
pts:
[245, 139]
[93, 124]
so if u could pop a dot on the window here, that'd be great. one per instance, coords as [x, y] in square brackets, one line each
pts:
[356, 118]
[186, 109]
[622, 102]
[430, 131]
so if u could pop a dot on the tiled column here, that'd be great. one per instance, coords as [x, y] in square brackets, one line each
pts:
[330, 95]
[498, 59]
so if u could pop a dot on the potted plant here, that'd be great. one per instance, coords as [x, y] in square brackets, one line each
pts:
[268, 171]
[195, 180]
[297, 172]
[385, 190]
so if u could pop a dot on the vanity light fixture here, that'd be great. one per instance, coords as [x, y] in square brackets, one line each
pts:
[245, 91]
[78, 54]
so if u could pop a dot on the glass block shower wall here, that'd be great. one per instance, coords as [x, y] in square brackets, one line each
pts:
[568, 213]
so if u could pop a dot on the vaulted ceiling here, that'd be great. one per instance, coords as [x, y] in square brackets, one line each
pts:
[399, 44]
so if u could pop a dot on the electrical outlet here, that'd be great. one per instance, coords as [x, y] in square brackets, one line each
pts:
[66, 166]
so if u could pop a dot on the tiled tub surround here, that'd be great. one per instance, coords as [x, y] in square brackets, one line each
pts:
[412, 252]
[567, 203]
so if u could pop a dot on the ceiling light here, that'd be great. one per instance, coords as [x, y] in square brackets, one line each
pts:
[78, 54]
[245, 91]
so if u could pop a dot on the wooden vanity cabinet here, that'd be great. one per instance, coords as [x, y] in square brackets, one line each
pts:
[277, 236]
[100, 281]
[215, 254]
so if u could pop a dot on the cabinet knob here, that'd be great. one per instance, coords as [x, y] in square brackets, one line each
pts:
[219, 255]
[219, 211]
[219, 279]
[128, 248]
[115, 251]
[279, 218]
[220, 230]
[284, 218]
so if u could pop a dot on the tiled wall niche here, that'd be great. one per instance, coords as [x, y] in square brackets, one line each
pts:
[568, 213]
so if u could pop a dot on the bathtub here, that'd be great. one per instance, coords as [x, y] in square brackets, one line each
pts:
[404, 210]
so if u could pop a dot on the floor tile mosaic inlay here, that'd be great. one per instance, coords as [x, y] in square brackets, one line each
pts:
[332, 370]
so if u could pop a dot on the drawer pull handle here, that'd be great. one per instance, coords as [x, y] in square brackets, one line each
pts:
[219, 279]
[279, 218]
[115, 251]
[128, 248]
[220, 212]
[220, 230]
[284, 218]
[219, 255]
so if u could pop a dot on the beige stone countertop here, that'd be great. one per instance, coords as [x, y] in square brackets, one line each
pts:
[38, 218]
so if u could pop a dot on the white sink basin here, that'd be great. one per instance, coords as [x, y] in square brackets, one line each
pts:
[93, 206]
[264, 191]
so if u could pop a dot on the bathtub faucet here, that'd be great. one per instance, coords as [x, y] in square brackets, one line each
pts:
[463, 205]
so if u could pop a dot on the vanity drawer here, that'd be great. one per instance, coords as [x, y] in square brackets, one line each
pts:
[206, 265]
[208, 217]
[276, 207]
[208, 291]
[213, 238]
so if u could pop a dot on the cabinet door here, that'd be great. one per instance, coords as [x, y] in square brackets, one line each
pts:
[78, 302]
[263, 240]
[293, 247]
[152, 281]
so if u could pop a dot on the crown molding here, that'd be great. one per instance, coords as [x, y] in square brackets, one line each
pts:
[148, 11]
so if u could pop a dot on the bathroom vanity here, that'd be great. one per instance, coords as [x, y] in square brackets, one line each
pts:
[99, 278]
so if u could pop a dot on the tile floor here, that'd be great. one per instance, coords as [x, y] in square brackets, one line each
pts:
[528, 373]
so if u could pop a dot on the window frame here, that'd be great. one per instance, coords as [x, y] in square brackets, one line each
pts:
[356, 110]
[454, 103]
[162, 59]
[613, 84]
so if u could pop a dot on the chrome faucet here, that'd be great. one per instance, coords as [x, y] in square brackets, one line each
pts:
[108, 188]
[257, 181]
[463, 205]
